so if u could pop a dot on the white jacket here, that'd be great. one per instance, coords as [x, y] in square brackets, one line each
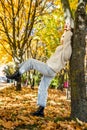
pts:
[62, 54]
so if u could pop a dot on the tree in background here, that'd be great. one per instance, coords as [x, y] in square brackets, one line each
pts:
[17, 18]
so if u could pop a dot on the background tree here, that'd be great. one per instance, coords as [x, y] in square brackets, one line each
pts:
[17, 26]
[16, 20]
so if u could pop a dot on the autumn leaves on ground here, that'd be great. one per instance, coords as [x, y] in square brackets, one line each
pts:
[15, 109]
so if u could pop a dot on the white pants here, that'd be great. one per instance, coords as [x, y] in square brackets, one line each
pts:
[48, 75]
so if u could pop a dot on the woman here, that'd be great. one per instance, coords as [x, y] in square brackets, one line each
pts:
[49, 69]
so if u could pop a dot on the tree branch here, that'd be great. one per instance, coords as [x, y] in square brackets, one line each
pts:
[67, 12]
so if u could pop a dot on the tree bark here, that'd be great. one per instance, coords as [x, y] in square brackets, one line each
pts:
[77, 74]
[18, 85]
[67, 13]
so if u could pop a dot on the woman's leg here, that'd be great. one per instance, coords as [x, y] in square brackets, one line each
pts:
[48, 75]
[43, 90]
[42, 67]
[42, 95]
[36, 65]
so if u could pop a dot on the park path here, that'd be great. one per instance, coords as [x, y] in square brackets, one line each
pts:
[4, 85]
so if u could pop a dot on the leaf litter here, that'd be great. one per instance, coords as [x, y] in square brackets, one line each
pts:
[15, 109]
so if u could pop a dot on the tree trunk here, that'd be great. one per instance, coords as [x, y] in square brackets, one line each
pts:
[77, 74]
[18, 85]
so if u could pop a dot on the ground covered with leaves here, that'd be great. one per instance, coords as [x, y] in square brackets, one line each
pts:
[15, 109]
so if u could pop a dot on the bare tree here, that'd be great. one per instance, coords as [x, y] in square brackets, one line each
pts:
[16, 21]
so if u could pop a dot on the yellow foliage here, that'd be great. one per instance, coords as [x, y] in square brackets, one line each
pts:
[73, 4]
[4, 56]
[49, 30]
